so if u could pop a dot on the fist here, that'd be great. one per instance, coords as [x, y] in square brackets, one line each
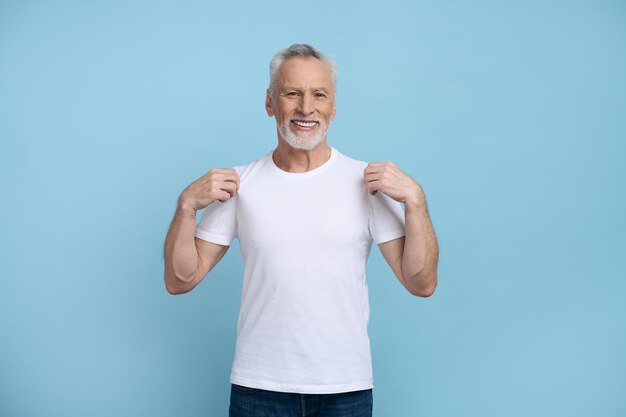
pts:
[387, 178]
[217, 184]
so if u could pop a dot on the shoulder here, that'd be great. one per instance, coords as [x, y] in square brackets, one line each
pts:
[350, 163]
[245, 171]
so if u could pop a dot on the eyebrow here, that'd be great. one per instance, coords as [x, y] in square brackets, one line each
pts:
[323, 89]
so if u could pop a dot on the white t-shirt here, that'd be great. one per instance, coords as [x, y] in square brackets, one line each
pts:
[305, 239]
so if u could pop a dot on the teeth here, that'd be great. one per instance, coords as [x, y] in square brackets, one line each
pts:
[304, 124]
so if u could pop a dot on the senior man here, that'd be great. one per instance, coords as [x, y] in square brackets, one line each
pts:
[306, 216]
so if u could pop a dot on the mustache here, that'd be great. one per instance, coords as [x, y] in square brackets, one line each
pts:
[303, 118]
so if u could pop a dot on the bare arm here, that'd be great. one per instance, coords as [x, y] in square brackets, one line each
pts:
[413, 258]
[187, 258]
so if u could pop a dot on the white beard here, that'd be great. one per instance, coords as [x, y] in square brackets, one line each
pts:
[302, 140]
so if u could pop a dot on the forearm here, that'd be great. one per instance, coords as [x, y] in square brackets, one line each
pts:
[180, 252]
[421, 251]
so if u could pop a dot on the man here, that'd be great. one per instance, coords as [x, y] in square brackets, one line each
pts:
[305, 216]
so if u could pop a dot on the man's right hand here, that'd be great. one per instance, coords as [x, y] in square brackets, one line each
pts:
[217, 184]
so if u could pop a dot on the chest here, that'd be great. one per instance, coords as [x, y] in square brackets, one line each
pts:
[318, 212]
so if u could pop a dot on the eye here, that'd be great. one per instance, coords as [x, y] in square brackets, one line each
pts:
[292, 94]
[320, 95]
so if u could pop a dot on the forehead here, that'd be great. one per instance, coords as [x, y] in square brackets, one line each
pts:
[305, 72]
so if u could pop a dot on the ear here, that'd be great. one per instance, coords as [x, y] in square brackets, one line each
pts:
[268, 103]
[332, 115]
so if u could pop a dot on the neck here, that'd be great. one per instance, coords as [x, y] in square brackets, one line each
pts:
[295, 160]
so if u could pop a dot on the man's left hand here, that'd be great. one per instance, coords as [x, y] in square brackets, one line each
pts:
[389, 179]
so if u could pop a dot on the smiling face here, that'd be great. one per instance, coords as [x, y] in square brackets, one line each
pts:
[302, 101]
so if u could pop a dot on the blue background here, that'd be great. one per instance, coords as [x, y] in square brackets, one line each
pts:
[512, 116]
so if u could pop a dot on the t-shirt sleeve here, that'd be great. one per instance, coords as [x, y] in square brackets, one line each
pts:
[386, 220]
[218, 223]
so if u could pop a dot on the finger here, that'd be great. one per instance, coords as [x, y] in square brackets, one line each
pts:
[232, 183]
[377, 164]
[373, 187]
[226, 175]
[213, 171]
[223, 196]
[375, 167]
[234, 178]
[220, 173]
[370, 169]
[235, 186]
[229, 187]
[225, 170]
[372, 176]
[382, 166]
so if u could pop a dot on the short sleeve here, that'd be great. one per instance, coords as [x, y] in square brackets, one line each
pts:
[218, 223]
[386, 221]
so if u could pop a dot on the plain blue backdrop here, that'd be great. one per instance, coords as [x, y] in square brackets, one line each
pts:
[512, 116]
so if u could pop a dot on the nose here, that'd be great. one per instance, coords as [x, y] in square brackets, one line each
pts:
[306, 105]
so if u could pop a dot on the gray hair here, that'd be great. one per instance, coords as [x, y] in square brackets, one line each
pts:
[300, 50]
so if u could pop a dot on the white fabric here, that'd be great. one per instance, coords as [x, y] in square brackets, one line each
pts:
[304, 239]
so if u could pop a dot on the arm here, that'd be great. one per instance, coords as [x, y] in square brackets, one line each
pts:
[413, 258]
[187, 258]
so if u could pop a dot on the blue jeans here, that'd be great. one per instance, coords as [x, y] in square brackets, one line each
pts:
[254, 402]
